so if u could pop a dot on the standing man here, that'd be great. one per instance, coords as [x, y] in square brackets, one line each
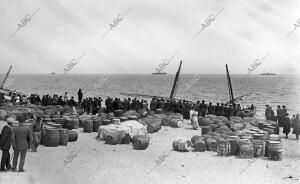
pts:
[286, 125]
[279, 116]
[21, 140]
[79, 96]
[5, 144]
[296, 126]
[37, 130]
[65, 98]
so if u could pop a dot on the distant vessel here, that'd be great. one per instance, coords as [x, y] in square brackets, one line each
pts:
[268, 73]
[52, 73]
[159, 73]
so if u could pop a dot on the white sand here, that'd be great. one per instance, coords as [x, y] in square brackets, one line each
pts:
[98, 163]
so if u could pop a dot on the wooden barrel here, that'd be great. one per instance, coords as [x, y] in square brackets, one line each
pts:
[204, 121]
[134, 117]
[176, 123]
[275, 150]
[106, 121]
[261, 125]
[76, 123]
[88, 125]
[261, 137]
[158, 111]
[47, 120]
[274, 129]
[199, 145]
[55, 115]
[247, 136]
[140, 142]
[259, 148]
[213, 127]
[51, 137]
[213, 134]
[224, 148]
[73, 116]
[123, 119]
[211, 144]
[69, 124]
[246, 148]
[274, 137]
[153, 125]
[96, 123]
[205, 129]
[113, 137]
[63, 137]
[54, 125]
[269, 130]
[182, 144]
[118, 113]
[234, 145]
[59, 121]
[73, 135]
[46, 116]
[194, 138]
[126, 139]
[166, 121]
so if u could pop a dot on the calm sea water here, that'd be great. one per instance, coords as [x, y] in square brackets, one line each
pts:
[273, 90]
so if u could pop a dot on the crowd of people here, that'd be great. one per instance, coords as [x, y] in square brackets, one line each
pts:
[283, 120]
[22, 139]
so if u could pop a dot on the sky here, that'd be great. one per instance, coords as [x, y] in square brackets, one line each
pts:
[136, 36]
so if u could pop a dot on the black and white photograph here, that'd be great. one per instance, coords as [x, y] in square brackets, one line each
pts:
[149, 91]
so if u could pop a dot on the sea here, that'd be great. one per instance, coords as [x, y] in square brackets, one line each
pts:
[264, 89]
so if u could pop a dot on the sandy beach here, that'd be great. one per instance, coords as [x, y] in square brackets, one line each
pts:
[91, 161]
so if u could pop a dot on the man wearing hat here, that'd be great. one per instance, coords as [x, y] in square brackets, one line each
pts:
[21, 140]
[268, 113]
[5, 144]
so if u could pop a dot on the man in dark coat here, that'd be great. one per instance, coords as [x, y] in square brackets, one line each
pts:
[5, 144]
[296, 126]
[286, 125]
[80, 94]
[21, 141]
[203, 108]
[211, 109]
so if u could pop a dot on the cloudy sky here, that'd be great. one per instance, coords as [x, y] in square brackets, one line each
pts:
[150, 31]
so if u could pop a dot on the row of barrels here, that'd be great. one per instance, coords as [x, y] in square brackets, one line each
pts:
[53, 136]
[244, 146]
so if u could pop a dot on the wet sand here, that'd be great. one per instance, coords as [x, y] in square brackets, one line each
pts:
[91, 161]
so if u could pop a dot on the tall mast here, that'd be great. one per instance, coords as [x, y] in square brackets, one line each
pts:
[175, 85]
[229, 86]
[5, 78]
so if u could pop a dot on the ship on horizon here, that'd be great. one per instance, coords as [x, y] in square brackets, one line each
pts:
[159, 73]
[268, 73]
